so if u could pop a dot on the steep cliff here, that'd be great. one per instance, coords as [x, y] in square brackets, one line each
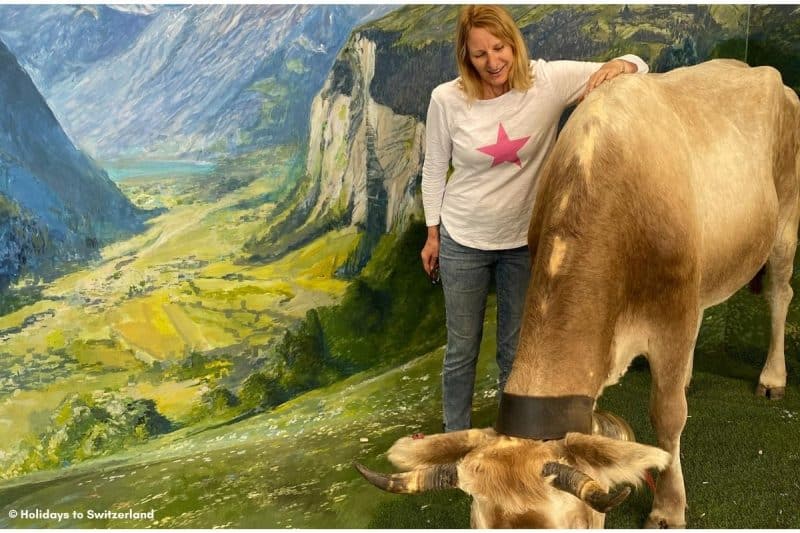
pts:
[363, 162]
[364, 154]
[56, 205]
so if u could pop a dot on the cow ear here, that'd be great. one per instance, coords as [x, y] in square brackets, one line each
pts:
[611, 461]
[423, 451]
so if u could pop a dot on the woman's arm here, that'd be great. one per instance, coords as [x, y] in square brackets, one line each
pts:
[438, 149]
[571, 79]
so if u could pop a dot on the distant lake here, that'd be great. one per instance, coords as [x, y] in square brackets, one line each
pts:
[122, 170]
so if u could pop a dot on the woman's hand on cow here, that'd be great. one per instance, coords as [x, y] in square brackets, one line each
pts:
[608, 71]
[430, 252]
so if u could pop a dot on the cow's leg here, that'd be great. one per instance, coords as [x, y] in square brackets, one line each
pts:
[690, 365]
[670, 362]
[772, 382]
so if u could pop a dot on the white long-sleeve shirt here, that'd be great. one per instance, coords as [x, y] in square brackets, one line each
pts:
[497, 147]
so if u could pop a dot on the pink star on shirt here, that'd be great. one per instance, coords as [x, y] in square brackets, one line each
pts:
[505, 149]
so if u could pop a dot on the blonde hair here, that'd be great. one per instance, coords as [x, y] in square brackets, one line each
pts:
[499, 23]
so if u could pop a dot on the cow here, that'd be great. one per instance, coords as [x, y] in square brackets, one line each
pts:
[663, 195]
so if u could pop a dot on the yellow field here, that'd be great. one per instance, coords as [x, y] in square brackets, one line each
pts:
[174, 399]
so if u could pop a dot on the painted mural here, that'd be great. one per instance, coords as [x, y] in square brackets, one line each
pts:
[211, 301]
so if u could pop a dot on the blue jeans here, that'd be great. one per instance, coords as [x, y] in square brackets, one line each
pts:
[466, 277]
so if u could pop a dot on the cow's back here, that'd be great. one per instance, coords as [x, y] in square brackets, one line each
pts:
[735, 130]
[695, 162]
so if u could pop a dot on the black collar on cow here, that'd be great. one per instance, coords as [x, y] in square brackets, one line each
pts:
[544, 418]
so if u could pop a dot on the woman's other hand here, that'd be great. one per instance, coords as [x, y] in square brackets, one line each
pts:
[430, 252]
[608, 71]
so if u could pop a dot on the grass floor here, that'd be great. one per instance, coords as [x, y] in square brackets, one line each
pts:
[739, 456]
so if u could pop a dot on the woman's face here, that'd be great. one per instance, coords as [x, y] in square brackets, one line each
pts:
[491, 57]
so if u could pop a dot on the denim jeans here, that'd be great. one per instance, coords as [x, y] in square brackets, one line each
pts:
[466, 277]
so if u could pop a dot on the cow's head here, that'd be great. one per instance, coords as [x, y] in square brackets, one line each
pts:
[514, 482]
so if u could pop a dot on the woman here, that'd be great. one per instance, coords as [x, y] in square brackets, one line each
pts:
[496, 124]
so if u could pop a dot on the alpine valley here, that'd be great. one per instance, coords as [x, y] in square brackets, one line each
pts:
[210, 294]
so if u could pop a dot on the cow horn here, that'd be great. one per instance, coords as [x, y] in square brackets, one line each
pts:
[612, 426]
[437, 477]
[572, 480]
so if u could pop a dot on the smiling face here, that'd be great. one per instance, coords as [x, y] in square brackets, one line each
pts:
[493, 60]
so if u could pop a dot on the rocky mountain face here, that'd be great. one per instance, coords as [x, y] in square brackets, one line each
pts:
[170, 81]
[364, 154]
[55, 203]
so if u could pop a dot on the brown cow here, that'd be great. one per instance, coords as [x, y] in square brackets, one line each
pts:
[664, 194]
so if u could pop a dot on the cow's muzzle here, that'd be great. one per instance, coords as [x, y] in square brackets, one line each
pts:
[611, 426]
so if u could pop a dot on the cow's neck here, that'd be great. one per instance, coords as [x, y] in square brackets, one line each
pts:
[564, 356]
[562, 361]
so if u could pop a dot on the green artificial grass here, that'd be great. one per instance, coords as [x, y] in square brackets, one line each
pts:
[739, 455]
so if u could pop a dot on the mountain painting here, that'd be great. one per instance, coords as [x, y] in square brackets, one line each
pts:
[211, 299]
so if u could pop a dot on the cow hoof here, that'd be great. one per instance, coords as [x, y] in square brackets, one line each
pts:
[773, 393]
